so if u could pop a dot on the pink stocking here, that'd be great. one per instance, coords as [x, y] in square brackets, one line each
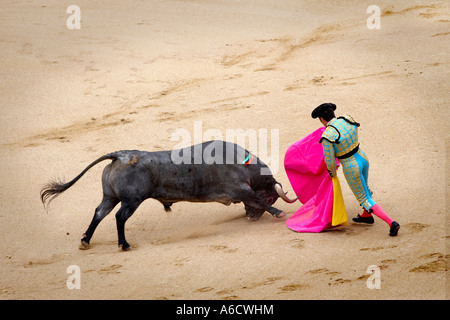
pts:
[381, 214]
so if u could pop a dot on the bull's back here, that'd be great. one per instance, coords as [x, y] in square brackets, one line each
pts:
[200, 172]
[203, 172]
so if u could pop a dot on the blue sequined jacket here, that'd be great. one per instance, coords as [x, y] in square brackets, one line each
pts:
[339, 140]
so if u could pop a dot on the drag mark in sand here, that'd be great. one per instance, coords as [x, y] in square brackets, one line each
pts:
[438, 264]
[112, 119]
[65, 133]
[387, 12]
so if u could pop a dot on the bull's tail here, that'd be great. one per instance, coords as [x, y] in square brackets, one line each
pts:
[54, 188]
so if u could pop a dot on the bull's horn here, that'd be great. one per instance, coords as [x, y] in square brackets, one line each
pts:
[279, 190]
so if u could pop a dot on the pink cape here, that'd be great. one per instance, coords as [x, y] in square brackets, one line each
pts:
[305, 167]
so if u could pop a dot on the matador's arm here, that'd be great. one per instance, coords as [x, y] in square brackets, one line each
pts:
[330, 158]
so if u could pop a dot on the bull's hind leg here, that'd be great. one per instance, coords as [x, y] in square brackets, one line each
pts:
[126, 210]
[105, 207]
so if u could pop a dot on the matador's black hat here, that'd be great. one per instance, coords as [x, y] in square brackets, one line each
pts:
[322, 109]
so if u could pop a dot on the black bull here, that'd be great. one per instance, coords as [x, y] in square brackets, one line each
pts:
[213, 171]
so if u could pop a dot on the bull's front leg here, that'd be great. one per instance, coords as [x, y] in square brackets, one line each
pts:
[255, 205]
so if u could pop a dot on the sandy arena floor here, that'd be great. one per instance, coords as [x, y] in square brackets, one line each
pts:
[136, 71]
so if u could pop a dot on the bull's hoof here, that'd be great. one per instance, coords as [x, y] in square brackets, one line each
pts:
[125, 246]
[84, 245]
[281, 214]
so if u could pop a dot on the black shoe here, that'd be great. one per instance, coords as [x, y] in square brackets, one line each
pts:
[368, 220]
[394, 229]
